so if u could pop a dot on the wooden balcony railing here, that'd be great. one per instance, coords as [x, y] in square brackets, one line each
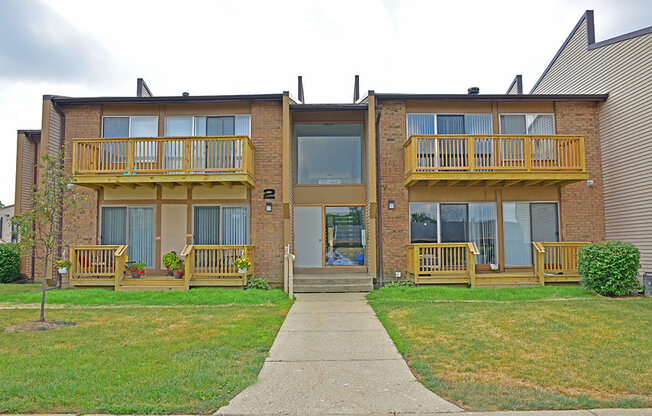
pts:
[493, 155]
[102, 264]
[163, 155]
[556, 261]
[216, 262]
[453, 261]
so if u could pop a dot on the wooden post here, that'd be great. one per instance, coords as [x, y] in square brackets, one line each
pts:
[527, 152]
[286, 272]
[470, 264]
[471, 153]
[130, 156]
[539, 254]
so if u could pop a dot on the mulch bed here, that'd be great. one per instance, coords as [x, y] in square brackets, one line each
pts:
[39, 326]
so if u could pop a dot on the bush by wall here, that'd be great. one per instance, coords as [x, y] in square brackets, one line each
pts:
[9, 263]
[610, 268]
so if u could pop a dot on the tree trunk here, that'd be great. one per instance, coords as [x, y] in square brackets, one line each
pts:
[45, 287]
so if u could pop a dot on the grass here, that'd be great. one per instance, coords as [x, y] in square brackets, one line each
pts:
[526, 348]
[211, 296]
[140, 359]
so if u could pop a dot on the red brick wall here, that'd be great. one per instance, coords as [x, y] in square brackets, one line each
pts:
[395, 230]
[267, 227]
[582, 209]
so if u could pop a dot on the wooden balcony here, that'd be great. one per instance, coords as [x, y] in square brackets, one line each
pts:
[454, 264]
[205, 265]
[225, 160]
[494, 160]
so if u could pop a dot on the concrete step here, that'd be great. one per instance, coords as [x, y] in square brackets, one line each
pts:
[334, 288]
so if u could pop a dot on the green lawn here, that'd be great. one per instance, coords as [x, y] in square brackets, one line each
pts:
[547, 347]
[149, 358]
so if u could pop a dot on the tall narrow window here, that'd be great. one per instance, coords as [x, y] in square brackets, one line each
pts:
[482, 231]
[141, 235]
[114, 226]
[235, 221]
[207, 225]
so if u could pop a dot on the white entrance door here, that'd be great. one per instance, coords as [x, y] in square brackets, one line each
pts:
[308, 246]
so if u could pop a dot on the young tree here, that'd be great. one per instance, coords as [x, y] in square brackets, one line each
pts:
[42, 226]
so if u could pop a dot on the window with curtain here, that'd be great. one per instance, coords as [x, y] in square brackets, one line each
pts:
[524, 222]
[221, 225]
[531, 124]
[133, 226]
[472, 222]
[420, 124]
[128, 126]
[176, 127]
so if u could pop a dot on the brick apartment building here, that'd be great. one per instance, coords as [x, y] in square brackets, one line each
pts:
[453, 189]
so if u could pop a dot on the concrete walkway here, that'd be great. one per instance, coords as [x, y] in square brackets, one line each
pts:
[332, 356]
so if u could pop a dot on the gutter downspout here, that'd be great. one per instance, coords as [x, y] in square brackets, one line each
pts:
[62, 136]
[379, 245]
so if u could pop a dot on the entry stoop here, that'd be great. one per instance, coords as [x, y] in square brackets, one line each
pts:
[332, 283]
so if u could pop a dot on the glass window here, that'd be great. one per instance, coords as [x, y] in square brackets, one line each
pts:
[329, 160]
[450, 124]
[133, 226]
[423, 223]
[345, 236]
[235, 229]
[482, 231]
[454, 223]
[115, 127]
[524, 222]
[220, 125]
[206, 228]
[178, 126]
[477, 124]
[541, 124]
[420, 124]
[143, 127]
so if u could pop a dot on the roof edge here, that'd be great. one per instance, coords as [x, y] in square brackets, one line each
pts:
[495, 97]
[161, 99]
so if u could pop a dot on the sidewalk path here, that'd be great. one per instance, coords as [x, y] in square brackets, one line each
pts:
[332, 356]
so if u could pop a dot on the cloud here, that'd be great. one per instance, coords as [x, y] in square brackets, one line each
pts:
[39, 45]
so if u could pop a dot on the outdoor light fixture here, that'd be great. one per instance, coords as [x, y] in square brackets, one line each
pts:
[268, 206]
[590, 183]
[391, 204]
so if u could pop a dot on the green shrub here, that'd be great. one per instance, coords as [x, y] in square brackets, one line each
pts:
[9, 263]
[257, 283]
[610, 268]
[400, 283]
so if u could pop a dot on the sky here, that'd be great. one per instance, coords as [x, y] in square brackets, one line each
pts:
[98, 48]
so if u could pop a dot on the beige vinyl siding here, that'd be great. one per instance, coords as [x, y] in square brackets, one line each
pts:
[54, 131]
[624, 71]
[513, 89]
[25, 173]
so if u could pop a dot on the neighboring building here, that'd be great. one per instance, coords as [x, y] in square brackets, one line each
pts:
[6, 230]
[621, 67]
[351, 188]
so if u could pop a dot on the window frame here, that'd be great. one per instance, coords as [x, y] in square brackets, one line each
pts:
[129, 133]
[559, 236]
[127, 221]
[436, 125]
[221, 219]
[500, 123]
[194, 121]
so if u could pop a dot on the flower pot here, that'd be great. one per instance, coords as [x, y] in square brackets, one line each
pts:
[169, 273]
[63, 270]
[135, 274]
[178, 275]
[242, 271]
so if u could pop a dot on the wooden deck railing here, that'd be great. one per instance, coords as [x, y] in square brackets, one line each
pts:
[556, 258]
[434, 260]
[487, 153]
[215, 262]
[163, 155]
[104, 263]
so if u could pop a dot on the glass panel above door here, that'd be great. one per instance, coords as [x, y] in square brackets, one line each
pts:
[423, 223]
[345, 236]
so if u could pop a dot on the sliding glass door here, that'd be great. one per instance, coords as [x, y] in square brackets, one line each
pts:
[525, 222]
[456, 223]
[221, 225]
[133, 226]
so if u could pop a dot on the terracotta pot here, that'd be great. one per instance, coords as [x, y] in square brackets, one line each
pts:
[169, 273]
[135, 274]
[178, 275]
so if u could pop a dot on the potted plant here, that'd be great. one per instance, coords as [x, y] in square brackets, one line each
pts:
[63, 266]
[169, 260]
[178, 269]
[137, 270]
[242, 264]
